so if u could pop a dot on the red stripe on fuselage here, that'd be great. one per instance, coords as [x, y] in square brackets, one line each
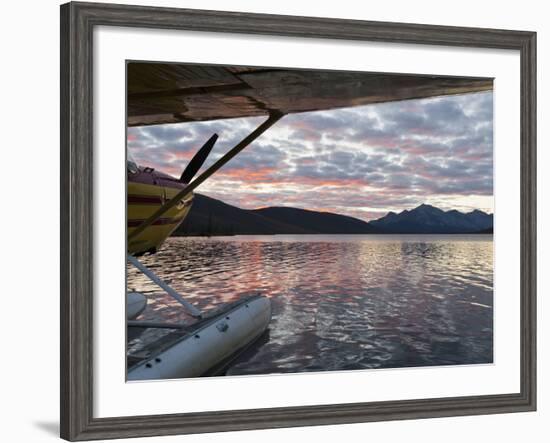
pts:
[134, 223]
[145, 199]
[155, 178]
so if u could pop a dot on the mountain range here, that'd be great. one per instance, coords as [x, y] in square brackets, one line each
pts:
[209, 216]
[427, 219]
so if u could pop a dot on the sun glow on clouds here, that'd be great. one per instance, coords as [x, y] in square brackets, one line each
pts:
[362, 161]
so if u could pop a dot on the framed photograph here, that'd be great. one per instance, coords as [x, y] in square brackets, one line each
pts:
[274, 221]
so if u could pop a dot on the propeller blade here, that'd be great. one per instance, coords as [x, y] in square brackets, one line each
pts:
[198, 160]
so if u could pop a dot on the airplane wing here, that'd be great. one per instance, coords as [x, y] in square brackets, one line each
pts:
[160, 93]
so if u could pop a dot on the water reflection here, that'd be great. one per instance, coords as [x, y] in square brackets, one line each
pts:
[339, 302]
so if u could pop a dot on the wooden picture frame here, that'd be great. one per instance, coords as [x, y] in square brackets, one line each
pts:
[77, 23]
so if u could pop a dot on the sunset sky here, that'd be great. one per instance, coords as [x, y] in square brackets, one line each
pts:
[362, 161]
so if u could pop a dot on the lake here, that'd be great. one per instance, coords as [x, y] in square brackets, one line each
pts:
[339, 301]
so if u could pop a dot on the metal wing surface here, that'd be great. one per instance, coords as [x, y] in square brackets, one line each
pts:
[161, 93]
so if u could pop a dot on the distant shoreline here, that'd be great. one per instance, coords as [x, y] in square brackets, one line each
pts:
[332, 233]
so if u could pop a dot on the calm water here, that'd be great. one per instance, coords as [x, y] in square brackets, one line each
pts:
[340, 301]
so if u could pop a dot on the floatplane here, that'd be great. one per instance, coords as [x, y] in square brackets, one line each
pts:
[162, 93]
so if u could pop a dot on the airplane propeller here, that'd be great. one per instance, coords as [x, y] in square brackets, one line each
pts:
[198, 160]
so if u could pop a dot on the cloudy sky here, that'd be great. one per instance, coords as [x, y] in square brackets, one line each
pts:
[362, 161]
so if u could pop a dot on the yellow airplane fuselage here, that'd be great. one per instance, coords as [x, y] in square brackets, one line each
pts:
[147, 191]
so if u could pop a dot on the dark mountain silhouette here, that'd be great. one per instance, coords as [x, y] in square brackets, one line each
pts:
[209, 216]
[427, 219]
[318, 222]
